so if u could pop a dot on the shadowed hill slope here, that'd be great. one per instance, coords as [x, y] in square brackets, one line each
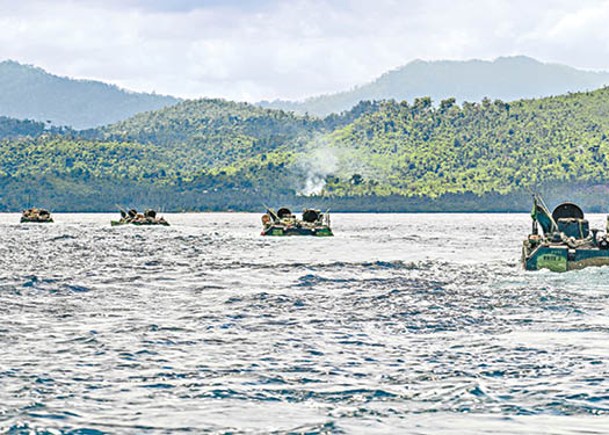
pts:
[27, 92]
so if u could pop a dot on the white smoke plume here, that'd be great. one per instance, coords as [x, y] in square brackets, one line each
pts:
[315, 166]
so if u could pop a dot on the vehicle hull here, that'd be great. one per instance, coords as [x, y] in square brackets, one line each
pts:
[36, 221]
[561, 258]
[118, 223]
[280, 230]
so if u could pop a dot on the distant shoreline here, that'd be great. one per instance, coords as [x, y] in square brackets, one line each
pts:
[591, 198]
[331, 211]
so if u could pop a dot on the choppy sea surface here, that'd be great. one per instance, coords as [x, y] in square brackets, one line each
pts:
[401, 323]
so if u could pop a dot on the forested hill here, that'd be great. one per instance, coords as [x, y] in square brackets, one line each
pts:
[389, 156]
[175, 156]
[506, 78]
[27, 92]
[11, 128]
[558, 145]
[492, 146]
[14, 128]
[213, 131]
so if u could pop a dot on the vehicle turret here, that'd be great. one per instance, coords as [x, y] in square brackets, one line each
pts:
[567, 241]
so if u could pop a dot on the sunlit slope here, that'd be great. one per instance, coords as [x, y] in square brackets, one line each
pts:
[419, 149]
[233, 155]
[209, 132]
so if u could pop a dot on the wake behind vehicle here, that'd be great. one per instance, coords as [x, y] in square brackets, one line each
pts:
[36, 215]
[566, 241]
[284, 223]
[132, 217]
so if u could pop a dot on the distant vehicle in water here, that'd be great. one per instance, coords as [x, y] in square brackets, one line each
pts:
[132, 217]
[566, 241]
[36, 215]
[284, 223]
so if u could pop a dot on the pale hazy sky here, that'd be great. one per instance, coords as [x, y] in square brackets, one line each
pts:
[266, 49]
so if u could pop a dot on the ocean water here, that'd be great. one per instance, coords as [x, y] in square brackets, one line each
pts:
[401, 323]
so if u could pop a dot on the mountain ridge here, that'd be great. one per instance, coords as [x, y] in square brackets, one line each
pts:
[506, 78]
[389, 156]
[30, 92]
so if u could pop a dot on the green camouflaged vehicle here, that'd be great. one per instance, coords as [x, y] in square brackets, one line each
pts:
[132, 217]
[566, 241]
[36, 215]
[284, 223]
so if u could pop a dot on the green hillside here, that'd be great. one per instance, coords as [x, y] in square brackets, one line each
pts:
[389, 156]
[492, 148]
[164, 157]
[488, 147]
[210, 132]
[13, 128]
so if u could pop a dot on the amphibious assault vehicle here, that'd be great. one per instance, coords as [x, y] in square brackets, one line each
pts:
[284, 223]
[566, 241]
[132, 217]
[36, 215]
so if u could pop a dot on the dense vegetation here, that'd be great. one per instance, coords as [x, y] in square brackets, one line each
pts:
[184, 157]
[487, 147]
[389, 156]
[12, 128]
[209, 132]
[557, 144]
[507, 78]
[32, 93]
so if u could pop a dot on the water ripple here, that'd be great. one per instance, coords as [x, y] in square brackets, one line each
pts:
[205, 327]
